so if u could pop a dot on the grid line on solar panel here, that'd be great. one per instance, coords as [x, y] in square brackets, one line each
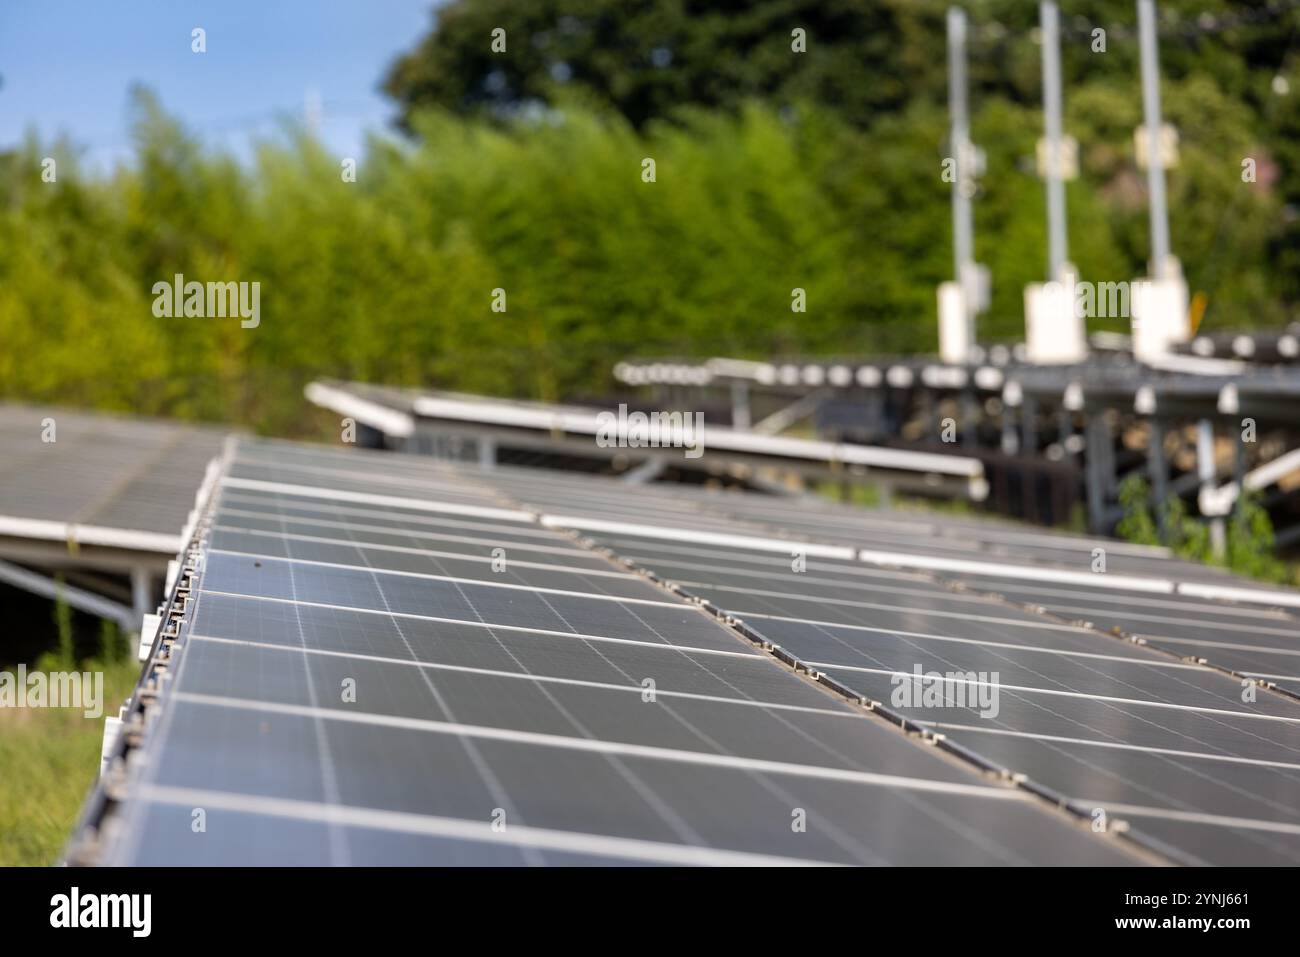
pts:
[951, 532]
[253, 449]
[558, 523]
[1130, 620]
[686, 574]
[1035, 649]
[723, 581]
[504, 566]
[1220, 730]
[450, 490]
[392, 517]
[598, 746]
[870, 860]
[612, 617]
[743, 539]
[368, 498]
[880, 839]
[827, 523]
[796, 737]
[1088, 742]
[1177, 636]
[103, 473]
[576, 847]
[411, 616]
[1028, 607]
[644, 779]
[648, 555]
[332, 793]
[261, 557]
[1189, 732]
[768, 595]
[858, 625]
[1021, 555]
[728, 507]
[1174, 635]
[651, 566]
[1115, 699]
[1189, 775]
[683, 830]
[1226, 609]
[293, 479]
[245, 520]
[1040, 618]
[775, 509]
[354, 458]
[530, 676]
[1138, 679]
[248, 534]
[1155, 667]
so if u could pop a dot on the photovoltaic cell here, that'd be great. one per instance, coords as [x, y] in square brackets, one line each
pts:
[335, 701]
[129, 475]
[1193, 758]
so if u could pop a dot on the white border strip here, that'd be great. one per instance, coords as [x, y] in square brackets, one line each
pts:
[408, 532]
[1092, 579]
[1105, 699]
[369, 498]
[705, 587]
[553, 419]
[1115, 745]
[743, 615]
[426, 825]
[1229, 593]
[402, 521]
[1155, 639]
[386, 420]
[607, 572]
[703, 538]
[588, 745]
[90, 535]
[425, 576]
[1219, 501]
[1193, 817]
[530, 676]
[551, 633]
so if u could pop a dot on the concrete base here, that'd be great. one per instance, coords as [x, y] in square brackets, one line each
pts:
[1159, 316]
[954, 330]
[1054, 331]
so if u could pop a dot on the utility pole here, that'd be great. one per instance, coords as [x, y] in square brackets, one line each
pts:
[963, 184]
[1146, 10]
[1054, 329]
[1057, 246]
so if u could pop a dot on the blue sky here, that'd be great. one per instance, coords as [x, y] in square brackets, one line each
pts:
[67, 67]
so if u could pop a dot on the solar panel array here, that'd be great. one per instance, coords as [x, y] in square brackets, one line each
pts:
[1202, 763]
[384, 660]
[102, 479]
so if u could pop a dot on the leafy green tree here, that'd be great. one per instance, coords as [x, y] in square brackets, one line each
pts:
[1137, 524]
[648, 59]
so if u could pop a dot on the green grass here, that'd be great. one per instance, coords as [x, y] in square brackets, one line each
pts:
[1249, 532]
[49, 757]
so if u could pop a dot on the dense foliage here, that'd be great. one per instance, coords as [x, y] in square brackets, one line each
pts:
[1248, 532]
[774, 170]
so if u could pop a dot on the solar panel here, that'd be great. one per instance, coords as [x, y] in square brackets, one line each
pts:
[1254, 641]
[1205, 769]
[99, 480]
[1254, 637]
[409, 417]
[390, 692]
